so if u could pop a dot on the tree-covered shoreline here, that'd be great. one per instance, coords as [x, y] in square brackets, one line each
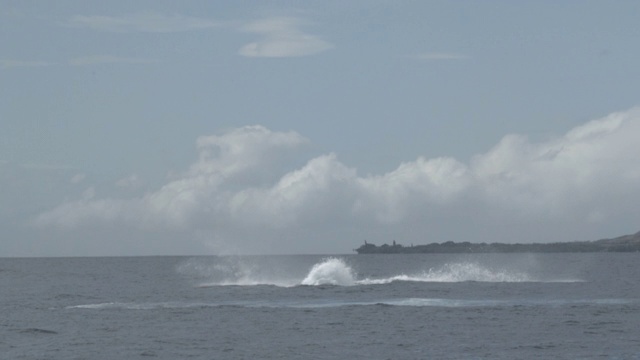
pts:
[626, 243]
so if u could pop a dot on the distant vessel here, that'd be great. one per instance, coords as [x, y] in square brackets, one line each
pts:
[626, 243]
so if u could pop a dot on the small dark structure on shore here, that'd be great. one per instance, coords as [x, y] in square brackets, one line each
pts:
[626, 243]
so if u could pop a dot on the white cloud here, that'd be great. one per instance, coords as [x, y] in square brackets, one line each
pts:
[282, 37]
[435, 181]
[108, 59]
[241, 149]
[143, 22]
[595, 159]
[560, 189]
[234, 156]
[312, 193]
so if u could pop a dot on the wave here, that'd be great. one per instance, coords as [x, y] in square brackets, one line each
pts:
[333, 303]
[336, 271]
[37, 331]
[141, 306]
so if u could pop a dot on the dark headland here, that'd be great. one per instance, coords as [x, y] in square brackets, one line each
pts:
[626, 243]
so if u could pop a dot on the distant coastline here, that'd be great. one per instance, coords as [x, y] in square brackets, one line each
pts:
[626, 243]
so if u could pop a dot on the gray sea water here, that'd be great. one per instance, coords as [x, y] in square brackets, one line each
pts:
[492, 306]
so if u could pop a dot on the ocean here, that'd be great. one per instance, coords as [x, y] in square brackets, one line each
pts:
[412, 306]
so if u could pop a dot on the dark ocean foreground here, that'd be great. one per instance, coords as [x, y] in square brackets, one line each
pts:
[438, 306]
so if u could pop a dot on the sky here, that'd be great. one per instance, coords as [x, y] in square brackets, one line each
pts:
[275, 127]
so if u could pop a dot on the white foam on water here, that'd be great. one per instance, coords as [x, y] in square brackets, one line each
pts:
[132, 306]
[333, 303]
[436, 302]
[114, 305]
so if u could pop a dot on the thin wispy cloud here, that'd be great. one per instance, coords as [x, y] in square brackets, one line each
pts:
[149, 22]
[8, 64]
[440, 56]
[78, 178]
[282, 37]
[109, 59]
[278, 36]
[130, 182]
[46, 167]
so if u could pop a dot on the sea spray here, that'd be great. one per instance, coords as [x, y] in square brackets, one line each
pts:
[331, 271]
[458, 272]
[455, 272]
[235, 270]
[249, 271]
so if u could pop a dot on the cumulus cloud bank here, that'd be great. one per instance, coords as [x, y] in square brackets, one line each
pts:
[565, 188]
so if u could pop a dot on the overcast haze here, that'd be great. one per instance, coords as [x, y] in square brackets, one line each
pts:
[198, 127]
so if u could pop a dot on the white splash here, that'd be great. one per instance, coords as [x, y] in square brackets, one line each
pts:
[331, 271]
[238, 271]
